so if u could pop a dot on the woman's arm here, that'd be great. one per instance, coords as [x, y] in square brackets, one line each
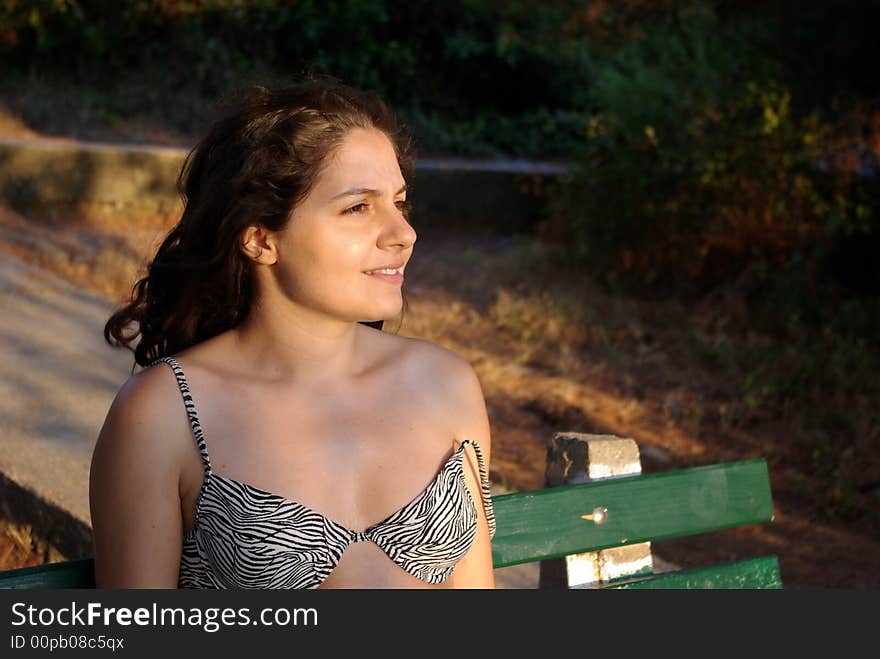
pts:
[468, 410]
[134, 486]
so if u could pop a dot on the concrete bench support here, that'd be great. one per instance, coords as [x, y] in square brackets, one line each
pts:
[579, 458]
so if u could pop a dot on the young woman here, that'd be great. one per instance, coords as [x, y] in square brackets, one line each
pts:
[276, 437]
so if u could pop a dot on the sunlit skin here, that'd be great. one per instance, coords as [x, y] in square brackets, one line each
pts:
[300, 400]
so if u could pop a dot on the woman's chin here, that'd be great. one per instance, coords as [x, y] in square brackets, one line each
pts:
[390, 314]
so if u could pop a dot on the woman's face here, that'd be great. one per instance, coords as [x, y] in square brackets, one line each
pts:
[351, 223]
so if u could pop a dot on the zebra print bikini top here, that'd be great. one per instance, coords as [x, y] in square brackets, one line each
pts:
[245, 537]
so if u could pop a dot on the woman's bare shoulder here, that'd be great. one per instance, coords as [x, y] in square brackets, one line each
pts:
[448, 373]
[143, 407]
[147, 390]
[427, 356]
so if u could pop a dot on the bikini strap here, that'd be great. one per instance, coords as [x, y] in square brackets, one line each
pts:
[190, 409]
[484, 486]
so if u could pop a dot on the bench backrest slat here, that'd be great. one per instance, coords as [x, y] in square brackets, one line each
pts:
[755, 573]
[543, 524]
[78, 573]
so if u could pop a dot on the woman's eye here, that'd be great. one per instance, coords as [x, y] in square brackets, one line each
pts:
[357, 208]
[403, 206]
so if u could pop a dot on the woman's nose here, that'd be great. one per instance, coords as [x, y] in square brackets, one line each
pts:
[397, 229]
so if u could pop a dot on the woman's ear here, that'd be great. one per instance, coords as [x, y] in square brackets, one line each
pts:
[257, 245]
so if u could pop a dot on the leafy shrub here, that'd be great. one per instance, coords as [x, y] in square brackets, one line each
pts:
[696, 166]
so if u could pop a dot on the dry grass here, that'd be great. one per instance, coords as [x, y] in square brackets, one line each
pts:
[85, 245]
[20, 546]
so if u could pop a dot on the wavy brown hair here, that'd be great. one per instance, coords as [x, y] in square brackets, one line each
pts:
[259, 159]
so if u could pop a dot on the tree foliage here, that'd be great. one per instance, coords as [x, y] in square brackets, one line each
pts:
[703, 163]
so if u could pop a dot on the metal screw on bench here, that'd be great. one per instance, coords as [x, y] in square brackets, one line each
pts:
[599, 515]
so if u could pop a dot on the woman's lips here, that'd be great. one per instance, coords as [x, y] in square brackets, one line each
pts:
[390, 272]
[396, 278]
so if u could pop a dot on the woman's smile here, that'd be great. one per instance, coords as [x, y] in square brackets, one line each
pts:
[392, 273]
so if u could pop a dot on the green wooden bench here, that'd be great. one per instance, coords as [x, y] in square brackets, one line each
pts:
[601, 521]
[549, 523]
[593, 523]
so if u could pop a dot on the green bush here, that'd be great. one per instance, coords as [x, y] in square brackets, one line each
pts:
[696, 166]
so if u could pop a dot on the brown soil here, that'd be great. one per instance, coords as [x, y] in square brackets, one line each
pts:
[554, 353]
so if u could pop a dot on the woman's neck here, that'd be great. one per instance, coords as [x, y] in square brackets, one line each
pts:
[300, 348]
